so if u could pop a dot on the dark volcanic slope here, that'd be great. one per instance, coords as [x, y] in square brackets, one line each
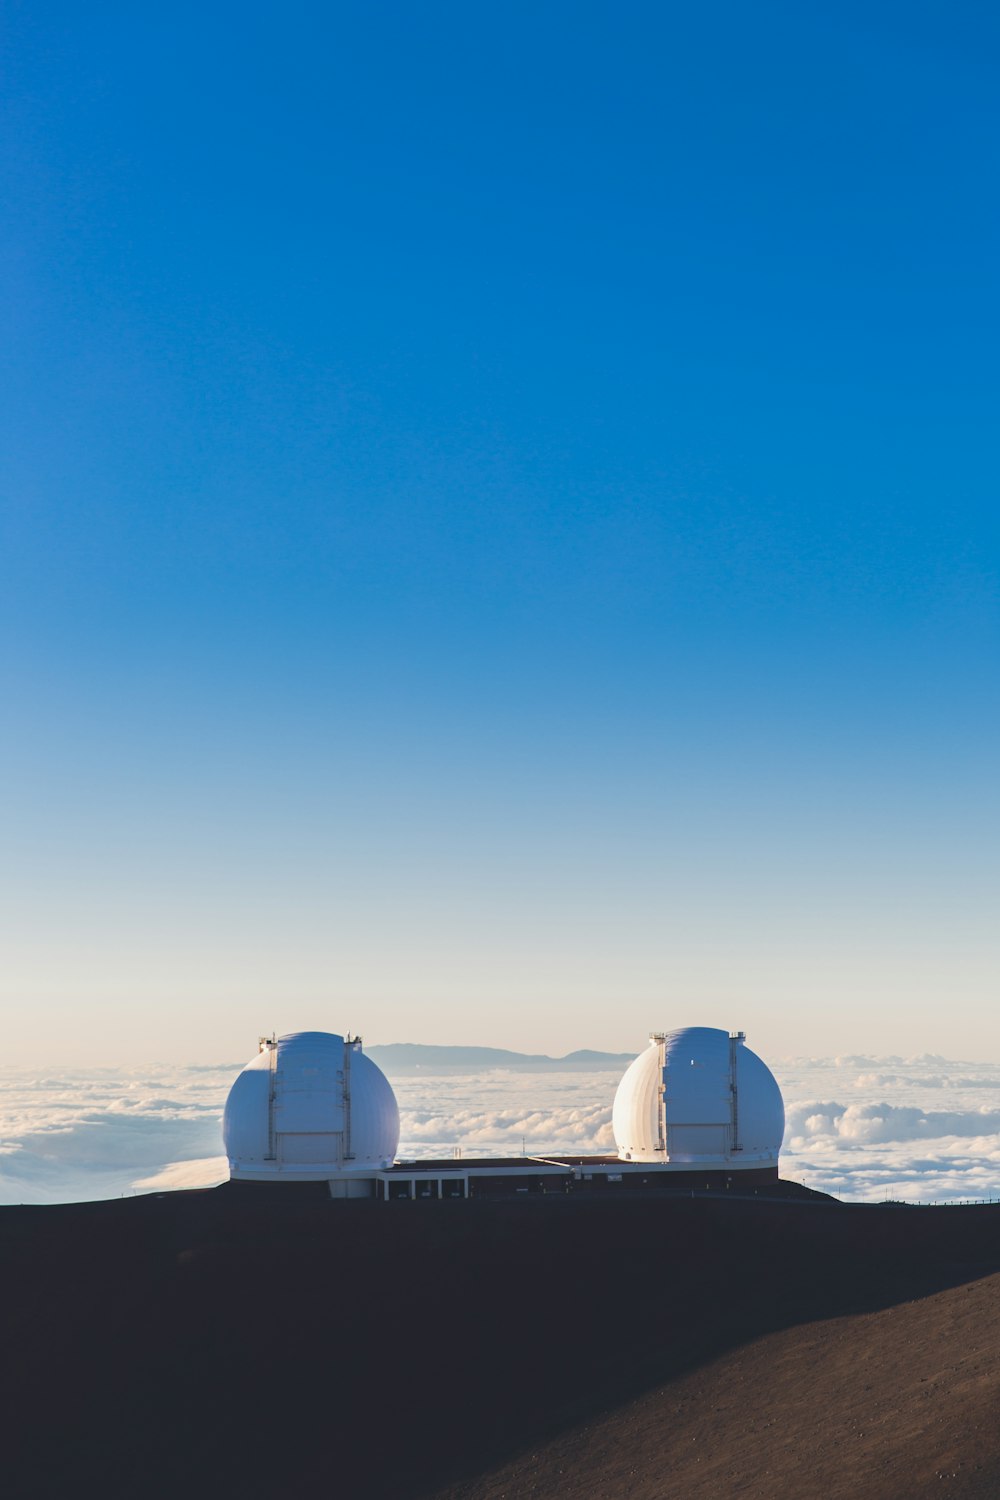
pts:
[895, 1404]
[254, 1341]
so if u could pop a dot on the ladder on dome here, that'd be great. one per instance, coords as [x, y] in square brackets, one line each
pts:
[659, 1037]
[272, 1069]
[349, 1044]
[736, 1040]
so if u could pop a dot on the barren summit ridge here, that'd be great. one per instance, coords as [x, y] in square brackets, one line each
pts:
[893, 1404]
[264, 1340]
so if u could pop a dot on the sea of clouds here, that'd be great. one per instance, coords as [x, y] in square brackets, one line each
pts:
[923, 1129]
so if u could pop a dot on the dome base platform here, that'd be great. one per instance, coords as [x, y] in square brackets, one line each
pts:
[495, 1177]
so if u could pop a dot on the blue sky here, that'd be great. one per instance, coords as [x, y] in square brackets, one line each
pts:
[499, 537]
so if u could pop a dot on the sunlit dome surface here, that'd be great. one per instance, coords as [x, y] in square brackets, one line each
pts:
[699, 1096]
[310, 1105]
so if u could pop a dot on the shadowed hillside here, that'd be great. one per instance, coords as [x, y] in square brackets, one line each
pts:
[896, 1404]
[254, 1340]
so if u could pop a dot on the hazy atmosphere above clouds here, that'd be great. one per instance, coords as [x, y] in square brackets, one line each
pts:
[498, 544]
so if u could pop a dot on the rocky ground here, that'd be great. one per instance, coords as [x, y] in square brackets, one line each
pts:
[268, 1342]
[894, 1404]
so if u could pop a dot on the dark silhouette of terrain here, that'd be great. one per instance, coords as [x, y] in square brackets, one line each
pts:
[396, 1058]
[266, 1341]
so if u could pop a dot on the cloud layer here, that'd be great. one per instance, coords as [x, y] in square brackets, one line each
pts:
[924, 1129]
[106, 1132]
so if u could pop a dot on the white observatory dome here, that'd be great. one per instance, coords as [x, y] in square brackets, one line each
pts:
[699, 1096]
[309, 1106]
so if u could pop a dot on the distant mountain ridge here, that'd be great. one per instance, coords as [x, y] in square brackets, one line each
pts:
[415, 1057]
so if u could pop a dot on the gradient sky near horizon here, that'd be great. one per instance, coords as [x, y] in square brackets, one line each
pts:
[500, 525]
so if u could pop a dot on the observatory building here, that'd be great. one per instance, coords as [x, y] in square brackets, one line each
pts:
[311, 1107]
[696, 1111]
[699, 1097]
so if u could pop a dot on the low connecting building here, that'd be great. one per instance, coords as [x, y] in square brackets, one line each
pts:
[696, 1111]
